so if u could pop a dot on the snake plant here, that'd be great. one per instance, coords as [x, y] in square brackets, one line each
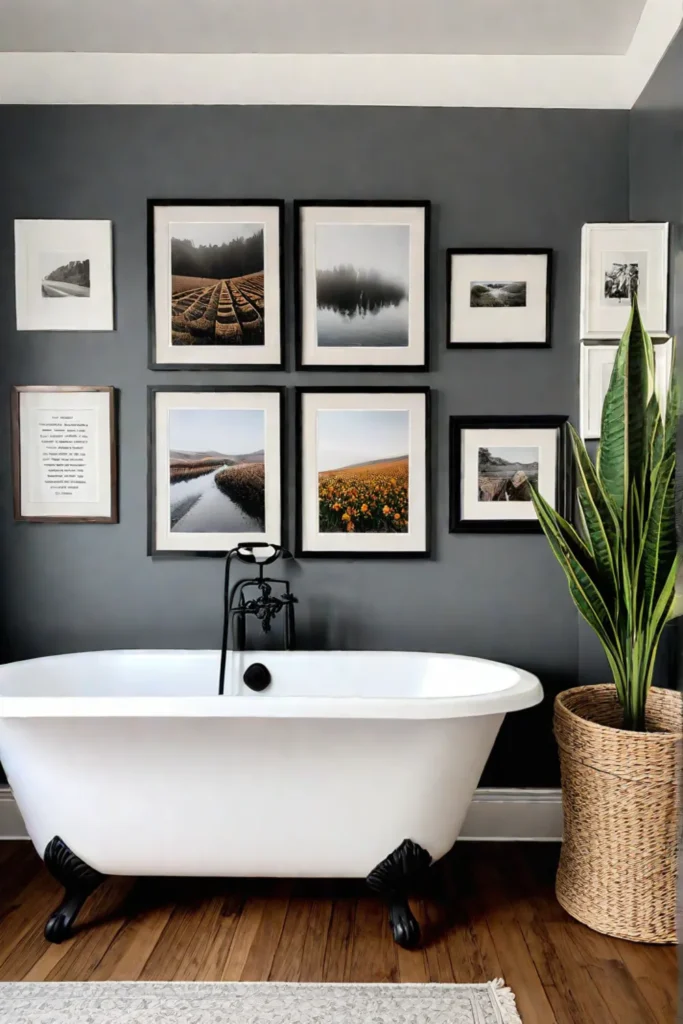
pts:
[621, 563]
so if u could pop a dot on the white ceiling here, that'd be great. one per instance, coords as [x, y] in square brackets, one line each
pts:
[469, 53]
[320, 26]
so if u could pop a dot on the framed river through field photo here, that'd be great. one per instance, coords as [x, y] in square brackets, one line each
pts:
[494, 463]
[216, 467]
[362, 284]
[363, 471]
[215, 272]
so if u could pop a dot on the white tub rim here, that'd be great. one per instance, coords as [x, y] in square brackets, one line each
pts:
[525, 692]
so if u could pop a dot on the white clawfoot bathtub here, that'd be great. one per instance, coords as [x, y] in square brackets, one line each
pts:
[132, 759]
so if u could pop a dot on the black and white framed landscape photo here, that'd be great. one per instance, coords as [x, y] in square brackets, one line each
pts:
[362, 296]
[618, 260]
[363, 471]
[216, 460]
[494, 462]
[215, 272]
[499, 297]
[63, 275]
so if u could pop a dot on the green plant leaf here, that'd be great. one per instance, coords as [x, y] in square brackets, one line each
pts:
[658, 547]
[584, 589]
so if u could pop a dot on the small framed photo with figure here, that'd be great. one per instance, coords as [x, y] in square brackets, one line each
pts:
[63, 275]
[363, 472]
[618, 260]
[215, 284]
[215, 467]
[494, 462]
[362, 295]
[499, 297]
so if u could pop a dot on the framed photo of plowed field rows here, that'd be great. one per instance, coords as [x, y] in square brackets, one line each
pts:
[215, 467]
[363, 472]
[215, 284]
[362, 284]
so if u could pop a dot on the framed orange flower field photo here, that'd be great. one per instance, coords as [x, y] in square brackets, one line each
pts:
[363, 472]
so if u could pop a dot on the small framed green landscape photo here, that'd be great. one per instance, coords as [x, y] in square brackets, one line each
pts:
[215, 284]
[215, 467]
[363, 472]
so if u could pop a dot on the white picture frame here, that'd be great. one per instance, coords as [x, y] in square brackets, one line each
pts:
[614, 257]
[597, 362]
[499, 298]
[198, 434]
[64, 454]
[63, 275]
[363, 472]
[206, 311]
[362, 284]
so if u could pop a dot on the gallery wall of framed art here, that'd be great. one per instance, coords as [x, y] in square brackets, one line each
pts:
[362, 288]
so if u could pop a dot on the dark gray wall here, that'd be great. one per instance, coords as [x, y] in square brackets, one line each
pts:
[495, 178]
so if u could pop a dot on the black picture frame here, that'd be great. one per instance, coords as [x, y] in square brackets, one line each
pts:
[563, 478]
[299, 550]
[298, 205]
[153, 364]
[450, 253]
[152, 391]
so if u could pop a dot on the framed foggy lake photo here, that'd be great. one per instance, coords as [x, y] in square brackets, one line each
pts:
[495, 461]
[216, 456]
[362, 285]
[363, 472]
[499, 297]
[215, 292]
[619, 261]
[63, 275]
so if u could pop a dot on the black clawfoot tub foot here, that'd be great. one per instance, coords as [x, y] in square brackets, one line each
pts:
[391, 879]
[79, 881]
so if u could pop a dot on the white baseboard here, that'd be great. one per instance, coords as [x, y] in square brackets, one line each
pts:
[495, 814]
[11, 823]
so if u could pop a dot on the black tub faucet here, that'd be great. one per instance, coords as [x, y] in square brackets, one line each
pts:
[264, 605]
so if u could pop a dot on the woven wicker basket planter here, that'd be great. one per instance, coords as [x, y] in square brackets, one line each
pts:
[617, 871]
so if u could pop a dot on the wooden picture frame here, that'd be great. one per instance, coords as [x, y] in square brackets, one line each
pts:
[46, 437]
[410, 485]
[164, 354]
[492, 520]
[353, 354]
[164, 540]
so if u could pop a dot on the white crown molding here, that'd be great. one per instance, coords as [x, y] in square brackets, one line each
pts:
[433, 80]
[495, 814]
[423, 80]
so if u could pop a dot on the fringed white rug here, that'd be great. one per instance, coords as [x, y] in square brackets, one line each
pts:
[136, 1002]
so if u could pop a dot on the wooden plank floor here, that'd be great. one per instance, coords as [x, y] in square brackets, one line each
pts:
[496, 916]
